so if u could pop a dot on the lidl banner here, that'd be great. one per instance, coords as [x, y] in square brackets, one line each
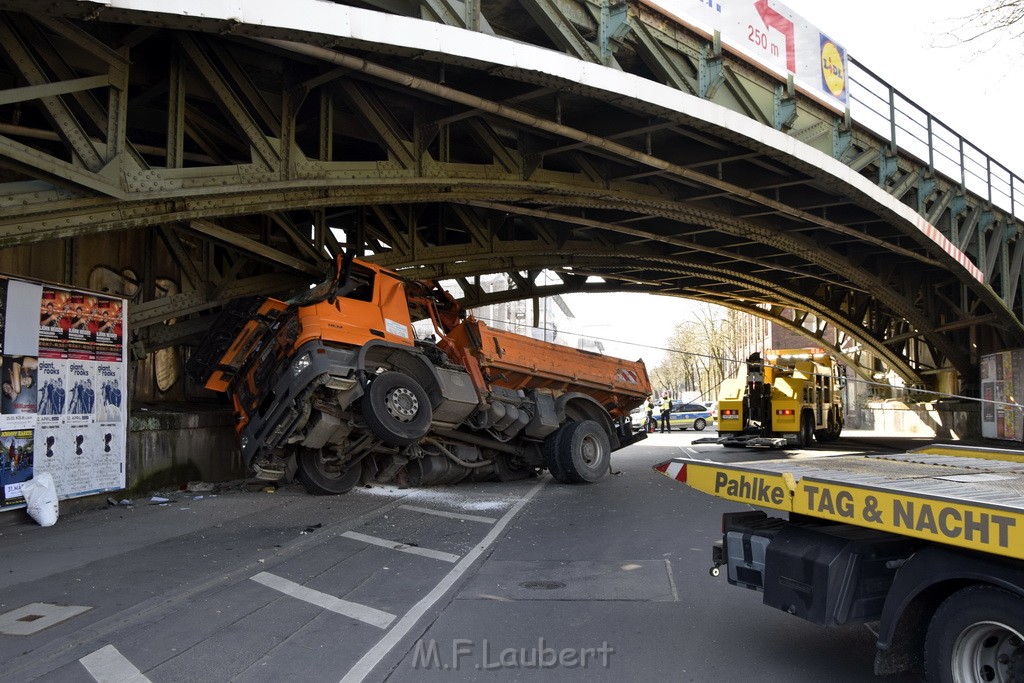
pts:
[773, 36]
[64, 391]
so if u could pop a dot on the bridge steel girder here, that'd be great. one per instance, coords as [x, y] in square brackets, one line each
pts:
[251, 148]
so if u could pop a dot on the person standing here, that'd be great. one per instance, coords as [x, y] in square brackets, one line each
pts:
[649, 423]
[666, 413]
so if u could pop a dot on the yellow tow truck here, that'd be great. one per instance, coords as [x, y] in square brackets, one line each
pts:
[787, 397]
[929, 544]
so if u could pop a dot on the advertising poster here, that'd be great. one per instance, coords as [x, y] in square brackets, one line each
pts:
[774, 37]
[54, 318]
[82, 331]
[3, 311]
[1002, 412]
[81, 400]
[109, 324]
[63, 408]
[15, 463]
[52, 395]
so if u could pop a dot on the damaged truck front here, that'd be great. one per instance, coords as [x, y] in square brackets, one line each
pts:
[334, 388]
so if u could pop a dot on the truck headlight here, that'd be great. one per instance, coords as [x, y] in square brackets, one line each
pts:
[304, 361]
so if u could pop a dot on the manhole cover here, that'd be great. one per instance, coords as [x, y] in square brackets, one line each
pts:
[542, 585]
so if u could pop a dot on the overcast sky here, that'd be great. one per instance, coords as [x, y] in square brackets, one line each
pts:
[975, 88]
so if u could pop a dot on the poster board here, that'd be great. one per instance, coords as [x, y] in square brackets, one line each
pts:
[63, 406]
[1002, 379]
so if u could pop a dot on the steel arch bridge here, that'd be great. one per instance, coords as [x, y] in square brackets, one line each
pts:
[229, 144]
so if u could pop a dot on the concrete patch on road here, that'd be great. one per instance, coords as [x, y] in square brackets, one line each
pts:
[641, 580]
[34, 617]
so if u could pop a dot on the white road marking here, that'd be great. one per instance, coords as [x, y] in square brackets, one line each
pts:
[107, 665]
[374, 656]
[453, 515]
[402, 547]
[672, 581]
[368, 615]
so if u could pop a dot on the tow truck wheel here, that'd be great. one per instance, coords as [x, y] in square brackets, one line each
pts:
[584, 452]
[397, 409]
[977, 634]
[319, 472]
[806, 430]
[699, 424]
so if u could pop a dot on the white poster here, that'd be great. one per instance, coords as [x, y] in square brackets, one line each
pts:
[774, 37]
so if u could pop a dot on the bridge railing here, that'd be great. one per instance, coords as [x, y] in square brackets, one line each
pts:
[890, 114]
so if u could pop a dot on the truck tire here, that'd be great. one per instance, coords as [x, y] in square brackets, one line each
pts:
[549, 451]
[830, 433]
[835, 424]
[699, 424]
[584, 452]
[509, 468]
[977, 634]
[806, 430]
[320, 477]
[397, 409]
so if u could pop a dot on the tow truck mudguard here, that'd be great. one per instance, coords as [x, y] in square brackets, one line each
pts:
[909, 599]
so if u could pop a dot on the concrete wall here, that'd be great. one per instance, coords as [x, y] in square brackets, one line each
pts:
[944, 420]
[167, 449]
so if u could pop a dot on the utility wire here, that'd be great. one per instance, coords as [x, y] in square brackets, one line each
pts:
[850, 380]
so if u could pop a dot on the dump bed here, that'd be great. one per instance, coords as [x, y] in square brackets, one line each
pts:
[517, 362]
[967, 497]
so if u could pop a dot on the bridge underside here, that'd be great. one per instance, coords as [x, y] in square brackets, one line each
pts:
[238, 159]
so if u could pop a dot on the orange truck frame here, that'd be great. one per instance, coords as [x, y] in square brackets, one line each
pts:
[334, 388]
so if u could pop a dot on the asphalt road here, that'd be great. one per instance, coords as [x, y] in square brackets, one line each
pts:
[522, 581]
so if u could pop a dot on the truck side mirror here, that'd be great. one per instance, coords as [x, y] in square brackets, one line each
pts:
[342, 273]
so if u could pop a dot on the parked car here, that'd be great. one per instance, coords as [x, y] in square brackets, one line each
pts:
[712, 407]
[638, 417]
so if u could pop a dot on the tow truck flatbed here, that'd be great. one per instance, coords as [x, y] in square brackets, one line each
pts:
[960, 496]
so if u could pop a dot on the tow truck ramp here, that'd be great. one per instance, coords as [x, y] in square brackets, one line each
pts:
[960, 496]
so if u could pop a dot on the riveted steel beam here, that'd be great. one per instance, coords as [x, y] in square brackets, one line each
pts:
[227, 236]
[66, 123]
[230, 101]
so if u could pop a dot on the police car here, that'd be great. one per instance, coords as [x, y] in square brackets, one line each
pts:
[683, 416]
[689, 415]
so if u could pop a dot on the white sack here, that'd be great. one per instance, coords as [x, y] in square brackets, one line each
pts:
[41, 499]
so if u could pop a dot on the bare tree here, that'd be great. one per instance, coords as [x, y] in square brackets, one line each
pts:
[993, 18]
[697, 359]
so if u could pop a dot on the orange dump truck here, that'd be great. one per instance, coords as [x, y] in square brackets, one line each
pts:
[335, 388]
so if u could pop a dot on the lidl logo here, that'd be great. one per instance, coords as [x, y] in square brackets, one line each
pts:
[833, 68]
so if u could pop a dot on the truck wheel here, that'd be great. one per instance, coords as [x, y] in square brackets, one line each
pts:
[397, 409]
[509, 467]
[806, 430]
[584, 451]
[319, 472]
[835, 425]
[977, 634]
[699, 424]
[549, 451]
